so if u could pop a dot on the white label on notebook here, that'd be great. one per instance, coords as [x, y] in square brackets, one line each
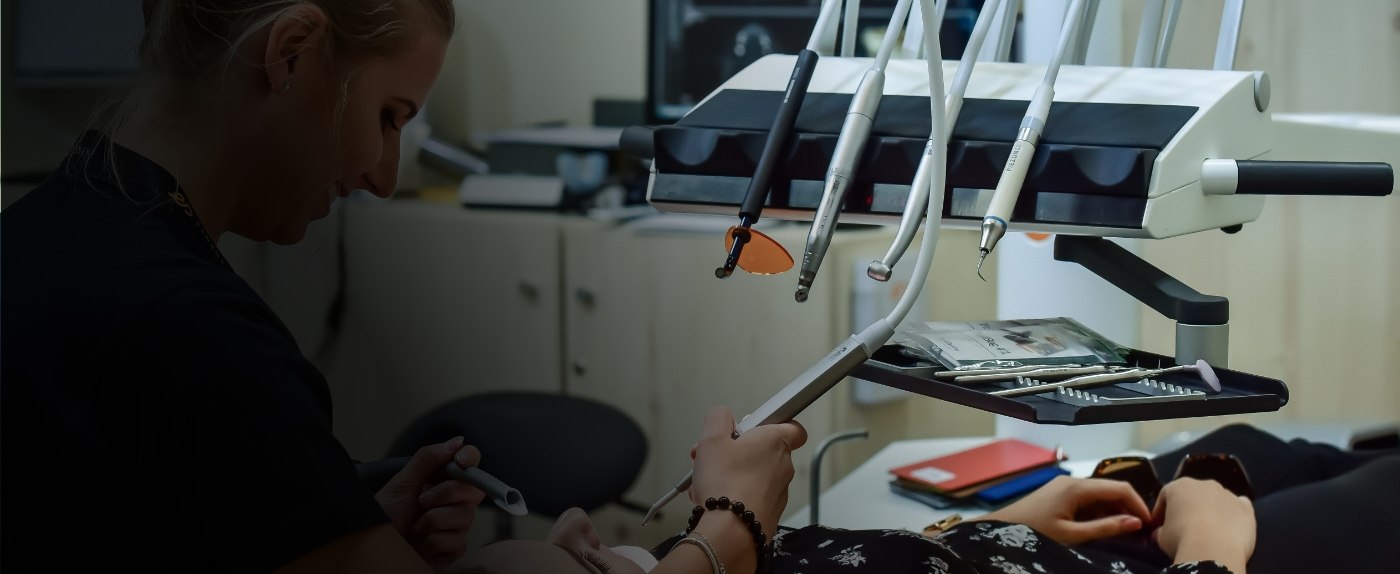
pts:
[932, 475]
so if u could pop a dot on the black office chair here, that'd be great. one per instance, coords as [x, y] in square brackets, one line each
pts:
[558, 451]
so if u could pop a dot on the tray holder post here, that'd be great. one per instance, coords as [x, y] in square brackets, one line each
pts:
[1202, 321]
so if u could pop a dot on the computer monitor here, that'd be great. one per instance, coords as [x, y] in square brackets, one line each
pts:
[695, 45]
[73, 42]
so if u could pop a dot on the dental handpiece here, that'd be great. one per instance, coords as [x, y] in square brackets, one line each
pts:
[792, 399]
[778, 136]
[919, 190]
[507, 498]
[1013, 176]
[850, 145]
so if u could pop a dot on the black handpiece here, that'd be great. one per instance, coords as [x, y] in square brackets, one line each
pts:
[773, 148]
[779, 135]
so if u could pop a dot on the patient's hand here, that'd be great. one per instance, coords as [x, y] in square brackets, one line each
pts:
[754, 469]
[1076, 510]
[1201, 520]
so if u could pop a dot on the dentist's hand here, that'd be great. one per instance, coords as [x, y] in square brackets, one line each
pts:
[433, 512]
[754, 469]
[1076, 510]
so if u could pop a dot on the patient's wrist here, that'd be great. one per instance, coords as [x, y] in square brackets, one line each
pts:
[1202, 548]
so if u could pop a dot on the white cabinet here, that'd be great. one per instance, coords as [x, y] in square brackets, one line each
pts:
[441, 303]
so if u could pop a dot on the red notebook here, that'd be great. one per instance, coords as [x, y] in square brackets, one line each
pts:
[976, 465]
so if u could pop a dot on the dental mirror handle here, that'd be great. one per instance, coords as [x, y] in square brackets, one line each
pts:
[792, 399]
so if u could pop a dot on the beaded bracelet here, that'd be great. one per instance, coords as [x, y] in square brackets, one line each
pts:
[747, 516]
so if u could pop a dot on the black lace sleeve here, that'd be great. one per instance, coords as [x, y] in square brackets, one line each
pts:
[992, 546]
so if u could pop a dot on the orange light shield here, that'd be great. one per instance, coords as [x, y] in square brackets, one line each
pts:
[762, 254]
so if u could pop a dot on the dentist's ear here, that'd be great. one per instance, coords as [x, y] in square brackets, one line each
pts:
[297, 32]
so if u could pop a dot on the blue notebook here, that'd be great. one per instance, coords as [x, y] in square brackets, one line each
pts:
[1010, 489]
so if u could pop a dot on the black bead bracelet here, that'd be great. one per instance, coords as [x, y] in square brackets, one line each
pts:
[746, 516]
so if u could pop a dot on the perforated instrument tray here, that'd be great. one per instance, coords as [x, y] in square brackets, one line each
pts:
[1239, 392]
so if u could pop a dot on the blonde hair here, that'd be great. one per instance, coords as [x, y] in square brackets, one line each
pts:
[188, 40]
[188, 45]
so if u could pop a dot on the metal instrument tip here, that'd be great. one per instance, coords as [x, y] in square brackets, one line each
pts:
[801, 294]
[980, 261]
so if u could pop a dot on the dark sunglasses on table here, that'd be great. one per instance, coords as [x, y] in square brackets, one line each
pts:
[1138, 472]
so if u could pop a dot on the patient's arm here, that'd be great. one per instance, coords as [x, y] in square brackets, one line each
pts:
[1200, 520]
[1076, 510]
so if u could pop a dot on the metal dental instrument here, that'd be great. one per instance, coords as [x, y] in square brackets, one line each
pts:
[1043, 373]
[1200, 367]
[919, 190]
[850, 144]
[821, 377]
[507, 498]
[1153, 392]
[778, 137]
[1010, 370]
[1013, 176]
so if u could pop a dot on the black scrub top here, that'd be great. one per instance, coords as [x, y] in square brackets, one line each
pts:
[157, 416]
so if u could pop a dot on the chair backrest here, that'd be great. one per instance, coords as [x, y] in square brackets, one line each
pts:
[558, 451]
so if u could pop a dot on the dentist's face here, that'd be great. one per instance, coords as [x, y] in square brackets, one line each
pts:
[325, 134]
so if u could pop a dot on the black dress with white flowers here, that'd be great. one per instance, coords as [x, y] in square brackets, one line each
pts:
[972, 547]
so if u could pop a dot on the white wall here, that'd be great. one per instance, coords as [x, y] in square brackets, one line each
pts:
[521, 62]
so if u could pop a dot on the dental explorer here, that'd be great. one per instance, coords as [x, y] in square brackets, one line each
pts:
[778, 137]
[850, 144]
[792, 399]
[1013, 176]
[919, 190]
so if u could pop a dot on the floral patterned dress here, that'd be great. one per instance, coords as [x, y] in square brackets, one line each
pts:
[983, 547]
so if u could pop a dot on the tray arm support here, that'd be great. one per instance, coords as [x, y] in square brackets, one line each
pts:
[1202, 321]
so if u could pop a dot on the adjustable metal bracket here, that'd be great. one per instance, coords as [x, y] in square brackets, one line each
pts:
[1202, 321]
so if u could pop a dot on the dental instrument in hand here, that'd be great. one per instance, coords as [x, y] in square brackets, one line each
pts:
[773, 258]
[1013, 176]
[1200, 367]
[918, 192]
[850, 145]
[507, 498]
[792, 399]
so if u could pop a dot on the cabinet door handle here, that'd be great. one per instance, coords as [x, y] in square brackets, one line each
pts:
[580, 369]
[529, 291]
[585, 298]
